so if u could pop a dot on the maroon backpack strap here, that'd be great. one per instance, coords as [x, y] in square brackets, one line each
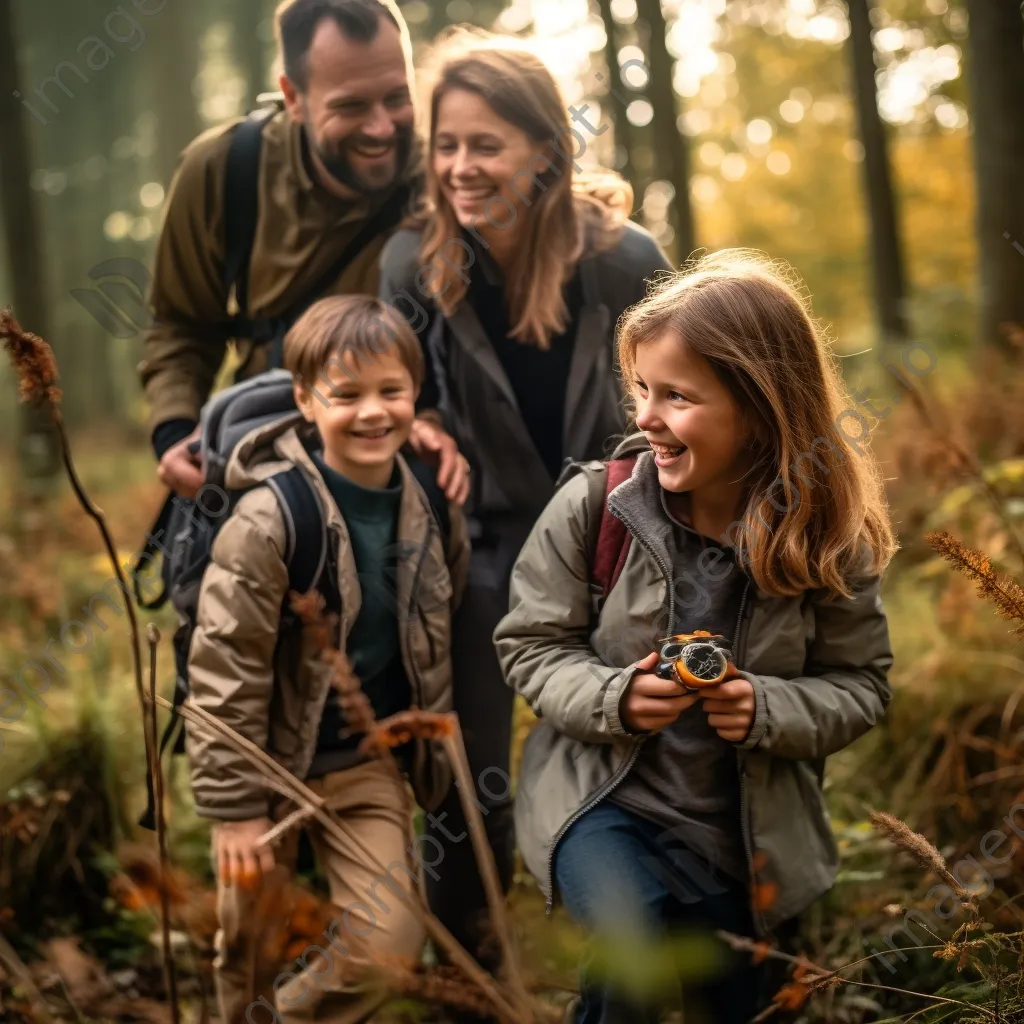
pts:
[612, 538]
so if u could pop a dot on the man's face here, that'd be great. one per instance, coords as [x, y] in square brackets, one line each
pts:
[357, 107]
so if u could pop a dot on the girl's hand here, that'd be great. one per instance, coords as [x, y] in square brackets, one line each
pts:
[652, 703]
[239, 861]
[730, 708]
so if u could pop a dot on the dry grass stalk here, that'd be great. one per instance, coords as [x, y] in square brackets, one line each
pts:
[282, 780]
[405, 726]
[455, 748]
[36, 368]
[816, 978]
[900, 834]
[157, 773]
[1000, 590]
[33, 362]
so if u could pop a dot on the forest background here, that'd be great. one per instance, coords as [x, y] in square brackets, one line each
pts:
[877, 146]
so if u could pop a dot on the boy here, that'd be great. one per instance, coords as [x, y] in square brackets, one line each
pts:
[358, 369]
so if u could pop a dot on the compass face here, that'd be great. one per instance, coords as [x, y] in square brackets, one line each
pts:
[705, 662]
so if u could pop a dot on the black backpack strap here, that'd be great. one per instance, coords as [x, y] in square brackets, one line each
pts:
[426, 477]
[271, 330]
[307, 541]
[154, 542]
[241, 203]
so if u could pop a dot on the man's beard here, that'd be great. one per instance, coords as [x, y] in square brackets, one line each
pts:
[335, 161]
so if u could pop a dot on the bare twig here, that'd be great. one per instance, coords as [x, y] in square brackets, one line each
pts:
[156, 770]
[456, 750]
[279, 778]
[17, 968]
[293, 820]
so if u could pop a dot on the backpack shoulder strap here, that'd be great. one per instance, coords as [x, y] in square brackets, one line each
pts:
[270, 331]
[241, 202]
[426, 477]
[306, 537]
[611, 544]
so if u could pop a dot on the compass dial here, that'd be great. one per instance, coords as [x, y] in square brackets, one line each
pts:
[705, 662]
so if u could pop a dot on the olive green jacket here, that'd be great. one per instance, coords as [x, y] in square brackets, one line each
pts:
[819, 672]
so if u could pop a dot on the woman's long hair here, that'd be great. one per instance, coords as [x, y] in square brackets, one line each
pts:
[815, 513]
[568, 212]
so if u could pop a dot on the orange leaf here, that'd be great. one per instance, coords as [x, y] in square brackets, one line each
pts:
[761, 951]
[791, 996]
[764, 895]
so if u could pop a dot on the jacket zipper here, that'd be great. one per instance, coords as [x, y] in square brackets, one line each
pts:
[624, 768]
[745, 829]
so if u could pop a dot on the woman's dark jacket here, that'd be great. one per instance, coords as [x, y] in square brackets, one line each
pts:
[469, 385]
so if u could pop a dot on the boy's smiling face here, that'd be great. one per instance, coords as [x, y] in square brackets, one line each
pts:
[363, 407]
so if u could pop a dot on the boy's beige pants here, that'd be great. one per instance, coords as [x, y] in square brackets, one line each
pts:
[373, 915]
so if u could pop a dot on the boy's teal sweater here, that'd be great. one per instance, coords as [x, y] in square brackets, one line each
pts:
[373, 647]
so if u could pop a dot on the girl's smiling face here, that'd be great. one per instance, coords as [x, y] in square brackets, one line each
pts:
[692, 420]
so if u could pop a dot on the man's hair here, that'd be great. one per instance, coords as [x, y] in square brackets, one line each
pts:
[361, 324]
[298, 20]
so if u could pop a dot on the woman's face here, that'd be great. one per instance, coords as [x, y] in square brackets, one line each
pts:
[485, 166]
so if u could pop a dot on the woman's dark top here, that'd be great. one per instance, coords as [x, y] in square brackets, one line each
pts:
[539, 378]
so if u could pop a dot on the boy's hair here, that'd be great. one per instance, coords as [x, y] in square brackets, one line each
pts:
[816, 514]
[361, 324]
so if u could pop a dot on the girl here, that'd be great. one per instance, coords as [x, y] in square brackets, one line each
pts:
[648, 808]
[520, 266]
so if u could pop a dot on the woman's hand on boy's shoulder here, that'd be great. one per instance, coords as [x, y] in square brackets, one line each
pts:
[238, 859]
[437, 448]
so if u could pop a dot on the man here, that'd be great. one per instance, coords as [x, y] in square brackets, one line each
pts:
[329, 164]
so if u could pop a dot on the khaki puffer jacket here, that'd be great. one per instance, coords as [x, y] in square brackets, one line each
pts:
[274, 693]
[819, 671]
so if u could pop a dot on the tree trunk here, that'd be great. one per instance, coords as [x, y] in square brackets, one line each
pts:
[37, 445]
[173, 81]
[996, 79]
[886, 248]
[250, 51]
[617, 97]
[671, 151]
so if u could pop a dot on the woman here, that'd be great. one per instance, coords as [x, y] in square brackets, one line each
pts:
[522, 265]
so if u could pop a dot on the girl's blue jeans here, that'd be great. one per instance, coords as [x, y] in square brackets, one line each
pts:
[651, 907]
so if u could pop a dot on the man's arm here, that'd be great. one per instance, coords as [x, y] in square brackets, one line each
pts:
[184, 350]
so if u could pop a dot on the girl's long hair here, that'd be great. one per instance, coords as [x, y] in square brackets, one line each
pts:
[568, 212]
[815, 512]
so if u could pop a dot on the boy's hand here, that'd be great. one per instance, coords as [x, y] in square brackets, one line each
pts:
[730, 708]
[652, 703]
[436, 447]
[238, 860]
